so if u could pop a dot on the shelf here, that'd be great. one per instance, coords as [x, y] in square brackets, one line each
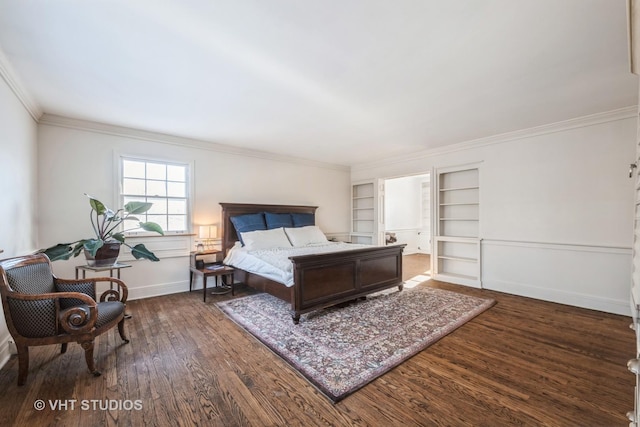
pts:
[458, 276]
[457, 258]
[359, 237]
[362, 197]
[460, 204]
[459, 219]
[457, 239]
[460, 188]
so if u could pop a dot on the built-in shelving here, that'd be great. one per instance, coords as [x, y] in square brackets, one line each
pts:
[363, 212]
[457, 240]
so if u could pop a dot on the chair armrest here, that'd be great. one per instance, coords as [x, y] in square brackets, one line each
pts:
[74, 320]
[120, 293]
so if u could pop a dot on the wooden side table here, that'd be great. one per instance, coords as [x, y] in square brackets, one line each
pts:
[216, 270]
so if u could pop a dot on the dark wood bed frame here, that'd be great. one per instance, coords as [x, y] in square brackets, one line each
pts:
[320, 280]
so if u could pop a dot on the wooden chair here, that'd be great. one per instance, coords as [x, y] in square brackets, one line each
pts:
[41, 309]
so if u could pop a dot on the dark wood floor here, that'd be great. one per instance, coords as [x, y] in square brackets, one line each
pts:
[523, 362]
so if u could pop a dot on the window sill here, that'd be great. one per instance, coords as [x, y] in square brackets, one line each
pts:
[167, 246]
[146, 235]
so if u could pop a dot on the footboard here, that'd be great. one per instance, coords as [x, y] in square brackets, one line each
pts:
[323, 280]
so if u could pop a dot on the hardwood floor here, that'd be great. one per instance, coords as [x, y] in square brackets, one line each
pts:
[522, 362]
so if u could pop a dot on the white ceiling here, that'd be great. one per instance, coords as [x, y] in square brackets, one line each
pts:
[337, 81]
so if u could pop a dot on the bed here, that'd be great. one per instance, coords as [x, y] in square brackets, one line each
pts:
[319, 280]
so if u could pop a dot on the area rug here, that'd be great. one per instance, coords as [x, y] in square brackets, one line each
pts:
[341, 349]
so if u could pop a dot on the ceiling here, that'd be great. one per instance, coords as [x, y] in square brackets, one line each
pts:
[337, 81]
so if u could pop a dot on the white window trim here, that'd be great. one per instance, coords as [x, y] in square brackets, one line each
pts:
[119, 156]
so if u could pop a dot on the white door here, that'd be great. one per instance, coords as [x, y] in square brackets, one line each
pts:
[634, 364]
[635, 275]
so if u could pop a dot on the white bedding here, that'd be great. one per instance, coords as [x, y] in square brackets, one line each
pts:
[274, 263]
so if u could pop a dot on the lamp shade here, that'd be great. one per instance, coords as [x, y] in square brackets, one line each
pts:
[208, 232]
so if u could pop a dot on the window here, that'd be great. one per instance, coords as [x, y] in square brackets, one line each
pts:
[161, 183]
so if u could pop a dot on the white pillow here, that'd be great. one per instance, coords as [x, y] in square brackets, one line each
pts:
[303, 236]
[265, 239]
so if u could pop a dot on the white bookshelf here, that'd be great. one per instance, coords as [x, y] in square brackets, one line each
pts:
[363, 212]
[457, 222]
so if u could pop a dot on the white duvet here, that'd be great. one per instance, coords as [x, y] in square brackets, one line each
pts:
[274, 263]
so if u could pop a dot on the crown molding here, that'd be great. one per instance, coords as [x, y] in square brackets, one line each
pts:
[590, 120]
[12, 80]
[90, 126]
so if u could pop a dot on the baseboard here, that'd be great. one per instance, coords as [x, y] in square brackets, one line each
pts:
[157, 290]
[576, 299]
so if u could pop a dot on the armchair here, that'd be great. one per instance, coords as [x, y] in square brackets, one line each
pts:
[41, 309]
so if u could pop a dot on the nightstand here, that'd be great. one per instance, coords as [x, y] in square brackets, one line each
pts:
[207, 269]
[215, 270]
[202, 258]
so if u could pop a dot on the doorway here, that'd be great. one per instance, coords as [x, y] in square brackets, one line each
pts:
[407, 212]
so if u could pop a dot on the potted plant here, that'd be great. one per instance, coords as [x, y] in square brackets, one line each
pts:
[103, 249]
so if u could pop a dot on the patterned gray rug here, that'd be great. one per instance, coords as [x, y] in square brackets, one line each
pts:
[339, 350]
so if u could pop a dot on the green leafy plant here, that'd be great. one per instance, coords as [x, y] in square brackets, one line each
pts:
[106, 225]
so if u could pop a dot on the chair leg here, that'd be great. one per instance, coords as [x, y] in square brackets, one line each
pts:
[121, 331]
[23, 363]
[63, 349]
[88, 356]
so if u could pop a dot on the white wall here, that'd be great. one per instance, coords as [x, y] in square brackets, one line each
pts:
[77, 157]
[17, 185]
[402, 203]
[403, 210]
[556, 208]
